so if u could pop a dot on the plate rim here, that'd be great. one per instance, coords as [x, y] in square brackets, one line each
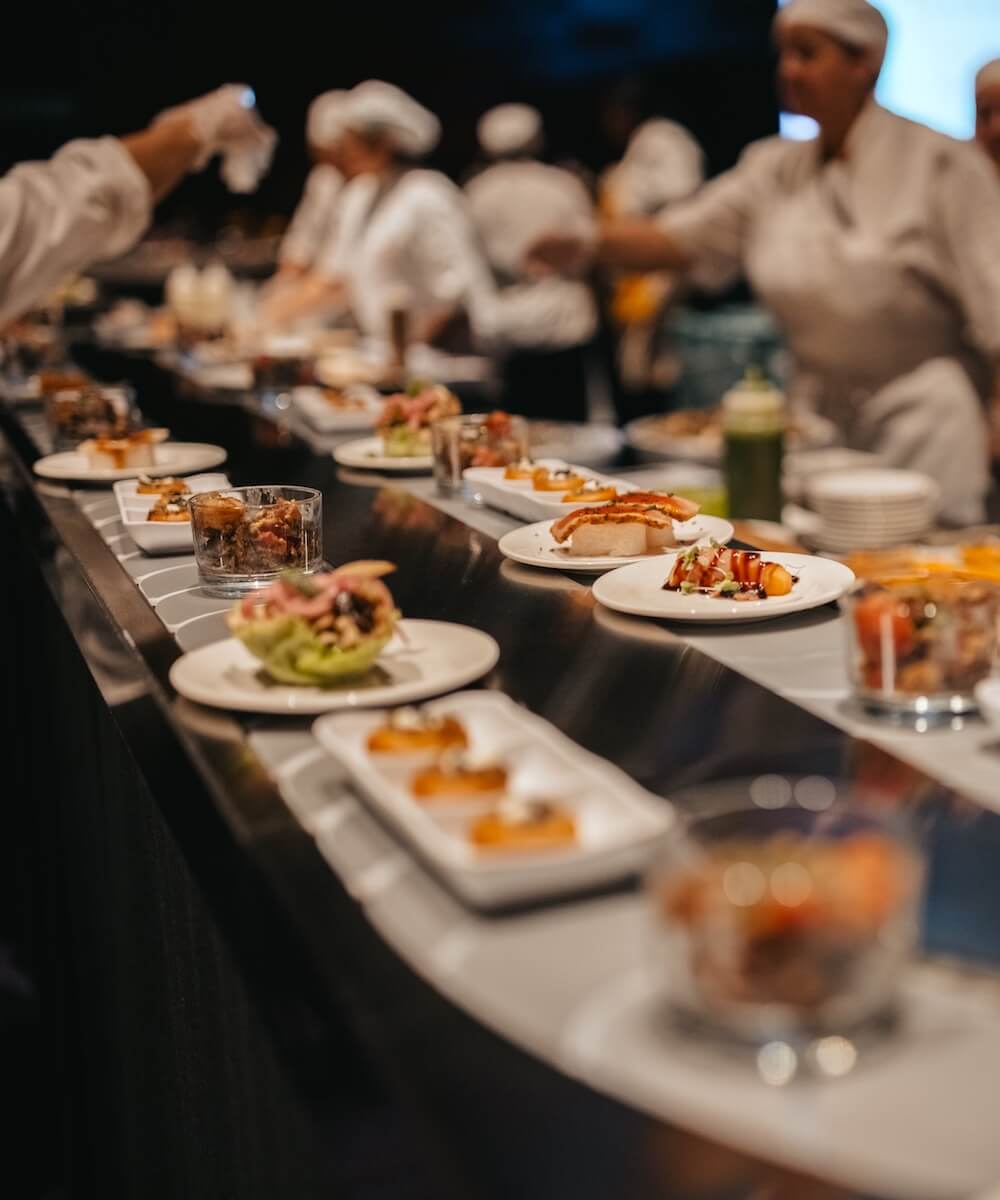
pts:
[316, 709]
[42, 466]
[725, 615]
[381, 463]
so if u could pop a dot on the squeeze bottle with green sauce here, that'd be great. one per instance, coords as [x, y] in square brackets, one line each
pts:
[753, 422]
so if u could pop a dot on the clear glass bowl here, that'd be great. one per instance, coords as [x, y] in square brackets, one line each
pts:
[92, 411]
[918, 645]
[785, 924]
[245, 537]
[475, 440]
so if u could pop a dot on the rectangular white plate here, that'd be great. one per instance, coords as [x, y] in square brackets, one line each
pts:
[619, 823]
[160, 537]
[519, 498]
[328, 418]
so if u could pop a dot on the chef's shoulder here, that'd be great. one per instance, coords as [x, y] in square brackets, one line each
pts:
[425, 190]
[528, 182]
[323, 180]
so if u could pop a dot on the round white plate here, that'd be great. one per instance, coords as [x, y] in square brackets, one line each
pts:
[367, 452]
[535, 546]
[424, 659]
[171, 458]
[638, 589]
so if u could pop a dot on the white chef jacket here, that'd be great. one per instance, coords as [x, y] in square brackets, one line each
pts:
[661, 165]
[88, 202]
[512, 204]
[408, 233]
[876, 265]
[313, 225]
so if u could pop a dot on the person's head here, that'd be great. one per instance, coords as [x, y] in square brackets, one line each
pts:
[510, 131]
[830, 53]
[988, 110]
[325, 127]
[385, 127]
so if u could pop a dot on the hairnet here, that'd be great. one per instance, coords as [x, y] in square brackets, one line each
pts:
[375, 106]
[509, 129]
[855, 22]
[325, 119]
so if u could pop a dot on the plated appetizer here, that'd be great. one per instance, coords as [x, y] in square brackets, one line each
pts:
[415, 730]
[243, 539]
[591, 491]
[636, 523]
[556, 479]
[459, 775]
[406, 418]
[733, 574]
[523, 469]
[170, 506]
[923, 637]
[75, 414]
[169, 485]
[322, 628]
[520, 824]
[788, 920]
[133, 450]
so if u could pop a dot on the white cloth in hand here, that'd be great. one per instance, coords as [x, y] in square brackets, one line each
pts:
[225, 122]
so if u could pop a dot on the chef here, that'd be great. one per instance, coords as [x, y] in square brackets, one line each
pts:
[543, 326]
[312, 227]
[876, 246]
[404, 242]
[988, 110]
[94, 198]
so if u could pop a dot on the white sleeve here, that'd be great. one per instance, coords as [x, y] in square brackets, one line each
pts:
[308, 231]
[447, 260]
[714, 226]
[89, 202]
[967, 202]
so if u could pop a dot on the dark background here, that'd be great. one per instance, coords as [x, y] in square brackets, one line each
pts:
[78, 68]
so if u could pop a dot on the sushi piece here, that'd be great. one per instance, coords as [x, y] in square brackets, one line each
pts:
[592, 492]
[407, 730]
[523, 469]
[562, 479]
[134, 450]
[637, 523]
[458, 776]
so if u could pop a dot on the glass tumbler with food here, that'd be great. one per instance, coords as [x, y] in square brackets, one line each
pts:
[919, 644]
[91, 411]
[785, 924]
[495, 439]
[244, 538]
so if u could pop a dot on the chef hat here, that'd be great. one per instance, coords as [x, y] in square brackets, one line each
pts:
[325, 119]
[377, 107]
[855, 22]
[989, 76]
[509, 129]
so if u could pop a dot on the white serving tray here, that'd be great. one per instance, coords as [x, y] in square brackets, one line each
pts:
[160, 537]
[620, 825]
[519, 498]
[327, 418]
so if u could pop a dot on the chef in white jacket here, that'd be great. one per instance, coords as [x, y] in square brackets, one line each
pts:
[94, 198]
[988, 110]
[543, 326]
[876, 246]
[404, 240]
[312, 226]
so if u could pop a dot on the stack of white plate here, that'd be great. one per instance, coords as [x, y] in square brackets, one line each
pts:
[872, 509]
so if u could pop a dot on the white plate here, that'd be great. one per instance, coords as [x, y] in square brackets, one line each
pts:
[519, 498]
[647, 434]
[425, 658]
[638, 589]
[535, 546]
[160, 537]
[367, 452]
[619, 824]
[171, 458]
[328, 418]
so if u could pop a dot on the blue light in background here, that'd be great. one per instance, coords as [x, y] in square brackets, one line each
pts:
[935, 50]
